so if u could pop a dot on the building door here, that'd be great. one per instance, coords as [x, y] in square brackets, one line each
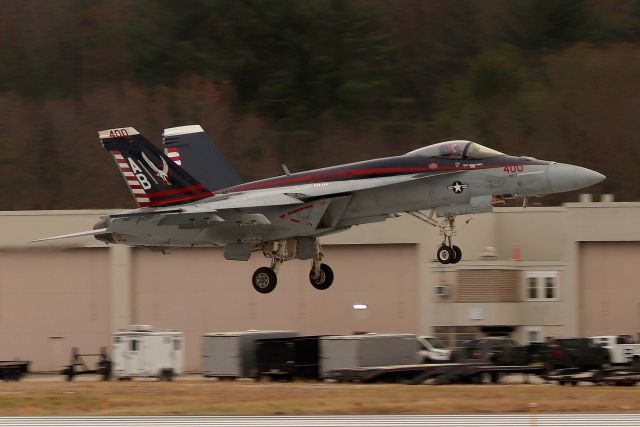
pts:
[58, 357]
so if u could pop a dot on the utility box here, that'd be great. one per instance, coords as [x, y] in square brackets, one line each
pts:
[233, 354]
[357, 351]
[143, 352]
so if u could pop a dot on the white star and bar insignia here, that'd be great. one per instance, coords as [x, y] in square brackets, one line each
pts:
[457, 187]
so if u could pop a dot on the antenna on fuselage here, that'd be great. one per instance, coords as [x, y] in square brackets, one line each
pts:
[285, 169]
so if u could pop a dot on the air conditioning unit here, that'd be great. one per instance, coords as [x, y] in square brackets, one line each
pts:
[442, 290]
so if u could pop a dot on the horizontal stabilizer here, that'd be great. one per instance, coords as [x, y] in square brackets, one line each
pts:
[68, 236]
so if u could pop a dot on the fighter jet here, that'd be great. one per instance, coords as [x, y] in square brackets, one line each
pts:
[284, 216]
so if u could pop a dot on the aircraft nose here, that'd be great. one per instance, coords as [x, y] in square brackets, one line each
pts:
[563, 177]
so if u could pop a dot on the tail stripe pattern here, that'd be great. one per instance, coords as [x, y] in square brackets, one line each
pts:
[136, 188]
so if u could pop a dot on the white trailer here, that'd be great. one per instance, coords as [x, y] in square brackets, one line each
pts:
[622, 349]
[356, 351]
[233, 354]
[143, 352]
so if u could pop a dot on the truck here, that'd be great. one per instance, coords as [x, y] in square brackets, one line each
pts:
[622, 349]
[432, 350]
[494, 350]
[13, 370]
[582, 354]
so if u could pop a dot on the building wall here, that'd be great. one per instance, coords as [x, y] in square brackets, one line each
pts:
[59, 294]
[50, 301]
[198, 291]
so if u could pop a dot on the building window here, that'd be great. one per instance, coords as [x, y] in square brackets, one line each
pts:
[541, 285]
[532, 290]
[533, 334]
[550, 288]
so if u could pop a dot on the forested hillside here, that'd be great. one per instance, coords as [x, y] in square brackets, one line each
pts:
[312, 83]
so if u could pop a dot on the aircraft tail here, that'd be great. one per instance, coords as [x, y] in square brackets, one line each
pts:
[153, 178]
[190, 147]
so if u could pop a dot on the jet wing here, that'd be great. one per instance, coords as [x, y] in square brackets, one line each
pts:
[224, 207]
[251, 199]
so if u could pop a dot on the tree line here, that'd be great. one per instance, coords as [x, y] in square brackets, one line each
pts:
[312, 83]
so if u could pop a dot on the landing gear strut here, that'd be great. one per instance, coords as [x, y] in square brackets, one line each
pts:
[447, 253]
[321, 275]
[264, 279]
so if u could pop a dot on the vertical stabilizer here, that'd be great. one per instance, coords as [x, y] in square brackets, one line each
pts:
[154, 179]
[192, 148]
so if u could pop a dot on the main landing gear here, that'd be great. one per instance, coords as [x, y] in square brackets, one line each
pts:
[265, 279]
[447, 253]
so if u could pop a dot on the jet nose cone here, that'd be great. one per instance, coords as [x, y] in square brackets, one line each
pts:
[563, 177]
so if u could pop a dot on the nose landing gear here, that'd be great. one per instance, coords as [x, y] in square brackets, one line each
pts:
[447, 253]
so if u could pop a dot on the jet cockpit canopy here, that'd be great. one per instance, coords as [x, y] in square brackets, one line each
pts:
[458, 149]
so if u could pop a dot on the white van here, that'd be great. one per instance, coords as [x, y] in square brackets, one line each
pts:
[432, 350]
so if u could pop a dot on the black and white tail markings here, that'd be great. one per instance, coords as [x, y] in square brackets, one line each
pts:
[154, 179]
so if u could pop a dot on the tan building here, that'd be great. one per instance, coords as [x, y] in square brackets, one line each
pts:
[552, 272]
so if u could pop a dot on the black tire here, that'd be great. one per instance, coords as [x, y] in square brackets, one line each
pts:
[457, 254]
[325, 280]
[264, 280]
[166, 374]
[445, 254]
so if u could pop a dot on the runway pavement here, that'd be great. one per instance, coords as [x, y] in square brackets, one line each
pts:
[547, 420]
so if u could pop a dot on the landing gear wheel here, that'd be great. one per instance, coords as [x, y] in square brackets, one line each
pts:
[324, 279]
[457, 252]
[445, 254]
[264, 280]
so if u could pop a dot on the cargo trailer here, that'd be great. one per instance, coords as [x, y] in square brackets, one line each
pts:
[289, 358]
[356, 351]
[233, 354]
[144, 352]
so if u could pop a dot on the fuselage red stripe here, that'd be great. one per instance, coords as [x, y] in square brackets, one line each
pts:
[182, 199]
[178, 190]
[341, 175]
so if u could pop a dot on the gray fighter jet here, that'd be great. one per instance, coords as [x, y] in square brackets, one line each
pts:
[283, 216]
